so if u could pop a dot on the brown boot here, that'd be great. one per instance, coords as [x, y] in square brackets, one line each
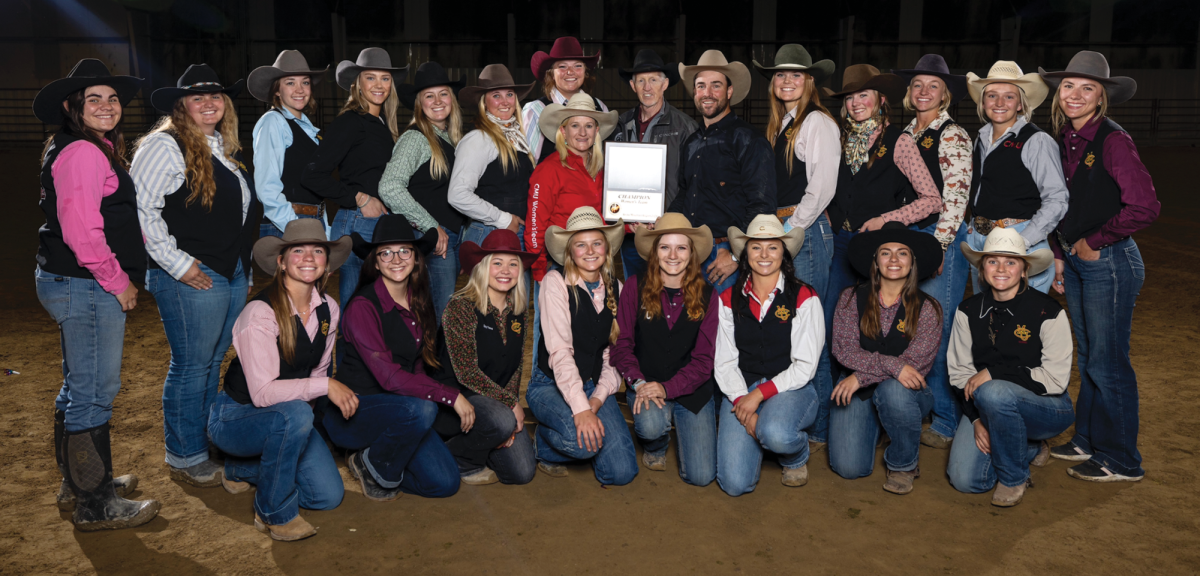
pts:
[481, 477]
[552, 470]
[1043, 455]
[297, 529]
[233, 486]
[901, 482]
[934, 440]
[795, 476]
[656, 462]
[1008, 496]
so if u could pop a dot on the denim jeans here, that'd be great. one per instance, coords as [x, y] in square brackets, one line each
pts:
[276, 449]
[267, 228]
[1017, 420]
[400, 447]
[1100, 298]
[782, 420]
[345, 222]
[494, 424]
[631, 262]
[812, 263]
[730, 281]
[947, 288]
[91, 332]
[841, 276]
[615, 464]
[443, 273]
[854, 429]
[697, 435]
[1041, 282]
[199, 327]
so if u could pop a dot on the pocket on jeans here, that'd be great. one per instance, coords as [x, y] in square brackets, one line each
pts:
[54, 293]
[1136, 266]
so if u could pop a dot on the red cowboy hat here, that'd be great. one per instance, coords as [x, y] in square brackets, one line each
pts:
[501, 241]
[565, 48]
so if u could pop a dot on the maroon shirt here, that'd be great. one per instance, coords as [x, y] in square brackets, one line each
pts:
[873, 367]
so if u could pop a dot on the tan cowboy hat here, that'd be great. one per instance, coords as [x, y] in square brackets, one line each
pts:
[1093, 66]
[1009, 242]
[579, 105]
[583, 218]
[1008, 72]
[674, 223]
[288, 63]
[492, 77]
[300, 231]
[765, 227]
[738, 74]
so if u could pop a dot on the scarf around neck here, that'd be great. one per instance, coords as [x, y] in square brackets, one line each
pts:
[858, 141]
[512, 132]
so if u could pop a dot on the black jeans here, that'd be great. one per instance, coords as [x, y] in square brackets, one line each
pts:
[494, 424]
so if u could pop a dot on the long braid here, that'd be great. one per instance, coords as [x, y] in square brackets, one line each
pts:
[610, 300]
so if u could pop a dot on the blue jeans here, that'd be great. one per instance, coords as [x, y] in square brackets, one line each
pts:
[841, 276]
[782, 420]
[91, 332]
[1100, 298]
[494, 424]
[615, 464]
[697, 434]
[1041, 282]
[631, 262]
[267, 228]
[345, 222]
[854, 430]
[199, 327]
[443, 273]
[947, 289]
[812, 263]
[1017, 420]
[276, 449]
[730, 281]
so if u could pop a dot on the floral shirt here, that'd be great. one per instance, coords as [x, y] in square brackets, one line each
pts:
[954, 159]
[459, 322]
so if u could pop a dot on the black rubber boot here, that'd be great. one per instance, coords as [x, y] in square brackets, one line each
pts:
[123, 485]
[87, 456]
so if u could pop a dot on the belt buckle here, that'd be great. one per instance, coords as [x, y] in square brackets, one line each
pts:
[1062, 242]
[983, 225]
[846, 225]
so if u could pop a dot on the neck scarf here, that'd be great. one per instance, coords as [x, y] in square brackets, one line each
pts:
[512, 132]
[858, 141]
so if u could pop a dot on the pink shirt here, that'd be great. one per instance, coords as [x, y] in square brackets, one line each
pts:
[83, 177]
[929, 199]
[556, 329]
[255, 338]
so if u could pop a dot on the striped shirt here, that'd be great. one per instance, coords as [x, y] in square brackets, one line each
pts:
[529, 120]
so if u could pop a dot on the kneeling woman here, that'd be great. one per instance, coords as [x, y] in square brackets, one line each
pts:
[668, 322]
[262, 419]
[391, 336]
[1010, 356]
[887, 331]
[484, 329]
[572, 395]
[769, 339]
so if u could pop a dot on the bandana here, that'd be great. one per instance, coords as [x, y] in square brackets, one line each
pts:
[512, 132]
[858, 141]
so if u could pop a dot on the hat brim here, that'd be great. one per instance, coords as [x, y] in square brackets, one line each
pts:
[258, 83]
[557, 239]
[926, 250]
[471, 254]
[1120, 88]
[47, 105]
[1039, 260]
[164, 99]
[470, 95]
[363, 247]
[555, 114]
[1034, 87]
[541, 61]
[347, 73]
[408, 92]
[819, 70]
[956, 83]
[889, 85]
[738, 74]
[670, 70]
[266, 251]
[702, 239]
[792, 240]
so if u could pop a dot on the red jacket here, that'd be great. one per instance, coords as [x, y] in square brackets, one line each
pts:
[555, 192]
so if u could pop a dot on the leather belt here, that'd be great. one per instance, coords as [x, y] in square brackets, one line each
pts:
[984, 226]
[785, 213]
[720, 240]
[309, 209]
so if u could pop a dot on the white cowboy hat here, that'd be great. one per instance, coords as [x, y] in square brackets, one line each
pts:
[738, 73]
[765, 227]
[581, 104]
[1008, 72]
[1008, 242]
[583, 218]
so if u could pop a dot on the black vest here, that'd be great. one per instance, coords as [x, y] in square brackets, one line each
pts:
[548, 145]
[1018, 336]
[764, 348]
[498, 359]
[122, 231]
[508, 192]
[789, 188]
[1011, 190]
[894, 344]
[353, 371]
[589, 336]
[432, 194]
[873, 191]
[928, 147]
[306, 356]
[662, 352]
[295, 158]
[1095, 197]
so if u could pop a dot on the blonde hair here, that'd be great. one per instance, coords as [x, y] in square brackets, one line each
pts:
[607, 274]
[944, 106]
[357, 102]
[809, 102]
[982, 112]
[595, 163]
[1058, 118]
[508, 153]
[476, 289]
[194, 147]
[438, 166]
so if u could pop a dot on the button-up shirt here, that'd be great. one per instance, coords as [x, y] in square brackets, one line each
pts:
[256, 340]
[555, 191]
[1040, 157]
[410, 153]
[272, 137]
[954, 160]
[873, 367]
[726, 176]
[532, 111]
[819, 147]
[556, 329]
[83, 178]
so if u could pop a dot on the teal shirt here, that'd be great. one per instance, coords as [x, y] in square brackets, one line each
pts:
[410, 153]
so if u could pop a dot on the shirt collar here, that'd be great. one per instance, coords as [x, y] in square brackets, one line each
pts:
[1014, 129]
[722, 123]
[942, 118]
[557, 97]
[1087, 133]
[747, 288]
[599, 289]
[508, 304]
[385, 298]
[314, 301]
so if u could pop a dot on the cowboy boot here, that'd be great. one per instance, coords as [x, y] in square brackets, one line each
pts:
[65, 498]
[88, 463]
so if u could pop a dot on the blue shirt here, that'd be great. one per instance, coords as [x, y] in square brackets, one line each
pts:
[272, 136]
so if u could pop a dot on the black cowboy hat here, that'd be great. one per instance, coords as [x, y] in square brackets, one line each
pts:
[368, 59]
[289, 63]
[935, 65]
[926, 250]
[428, 75]
[47, 105]
[197, 79]
[648, 60]
[393, 229]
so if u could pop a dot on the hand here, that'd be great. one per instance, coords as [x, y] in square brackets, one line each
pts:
[516, 223]
[845, 390]
[519, 413]
[342, 397]
[195, 278]
[128, 298]
[910, 378]
[1058, 276]
[589, 431]
[722, 267]
[975, 382]
[650, 392]
[373, 208]
[443, 242]
[982, 440]
[466, 412]
[752, 426]
[872, 224]
[1085, 252]
[747, 407]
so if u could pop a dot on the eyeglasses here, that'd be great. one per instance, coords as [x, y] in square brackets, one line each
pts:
[387, 255]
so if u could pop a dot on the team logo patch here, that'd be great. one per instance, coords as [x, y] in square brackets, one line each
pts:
[516, 326]
[782, 313]
[243, 166]
[1022, 332]
[324, 327]
[1091, 159]
[927, 142]
[789, 132]
[882, 151]
[900, 325]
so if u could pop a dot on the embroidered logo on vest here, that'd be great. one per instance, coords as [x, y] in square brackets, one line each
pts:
[516, 326]
[1011, 144]
[1091, 159]
[782, 313]
[324, 327]
[900, 325]
[789, 132]
[1022, 332]
[927, 142]
[882, 151]
[243, 166]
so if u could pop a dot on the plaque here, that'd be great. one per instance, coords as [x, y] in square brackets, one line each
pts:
[635, 181]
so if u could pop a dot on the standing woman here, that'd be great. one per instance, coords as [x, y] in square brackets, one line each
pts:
[1099, 265]
[769, 341]
[886, 334]
[194, 202]
[285, 141]
[564, 72]
[572, 395]
[357, 145]
[1017, 179]
[262, 419]
[90, 252]
[668, 322]
[417, 178]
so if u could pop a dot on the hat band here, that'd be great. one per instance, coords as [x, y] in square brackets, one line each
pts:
[201, 85]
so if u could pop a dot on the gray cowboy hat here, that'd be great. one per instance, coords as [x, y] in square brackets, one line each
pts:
[492, 77]
[1093, 66]
[368, 59]
[859, 77]
[197, 79]
[288, 63]
[300, 231]
[48, 104]
[428, 75]
[935, 65]
[792, 58]
[648, 60]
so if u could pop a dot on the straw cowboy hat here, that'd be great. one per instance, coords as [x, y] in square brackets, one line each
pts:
[48, 104]
[648, 60]
[197, 79]
[794, 58]
[300, 231]
[674, 223]
[1009, 242]
[935, 65]
[493, 77]
[859, 77]
[392, 229]
[368, 59]
[926, 250]
[565, 48]
[738, 74]
[583, 218]
[498, 241]
[1093, 66]
[288, 63]
[765, 227]
[428, 75]
[1008, 72]
[581, 104]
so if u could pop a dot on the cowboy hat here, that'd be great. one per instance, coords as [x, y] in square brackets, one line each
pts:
[738, 74]
[1093, 66]
[48, 104]
[674, 223]
[794, 58]
[926, 250]
[935, 65]
[300, 231]
[1009, 242]
[428, 75]
[583, 218]
[393, 229]
[197, 79]
[492, 77]
[368, 59]
[859, 77]
[565, 48]
[648, 60]
[498, 241]
[1008, 72]
[765, 227]
[579, 105]
[288, 63]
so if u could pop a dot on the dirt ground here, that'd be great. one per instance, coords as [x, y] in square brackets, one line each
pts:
[656, 524]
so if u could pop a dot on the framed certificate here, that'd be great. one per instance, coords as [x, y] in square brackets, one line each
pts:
[635, 181]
